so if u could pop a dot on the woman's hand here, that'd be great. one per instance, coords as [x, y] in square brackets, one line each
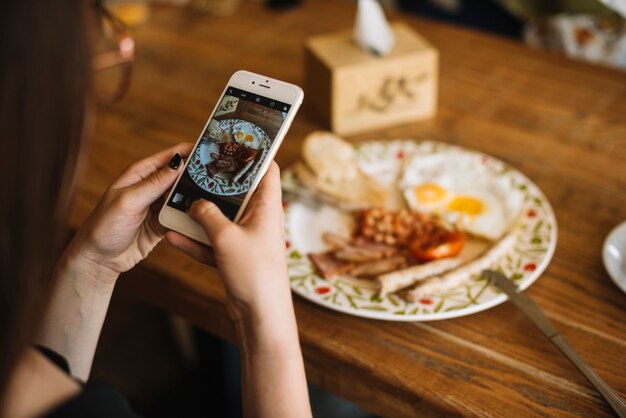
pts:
[250, 255]
[124, 228]
[119, 233]
[252, 261]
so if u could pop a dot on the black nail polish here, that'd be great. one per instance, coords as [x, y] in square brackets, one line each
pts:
[175, 161]
[189, 202]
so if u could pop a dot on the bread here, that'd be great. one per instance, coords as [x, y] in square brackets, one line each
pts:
[330, 168]
[330, 158]
[217, 133]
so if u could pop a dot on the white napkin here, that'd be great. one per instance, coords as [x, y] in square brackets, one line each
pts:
[371, 29]
[618, 5]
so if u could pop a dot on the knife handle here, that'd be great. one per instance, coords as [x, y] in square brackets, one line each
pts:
[611, 397]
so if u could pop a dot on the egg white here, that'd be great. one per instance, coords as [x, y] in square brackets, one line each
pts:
[460, 189]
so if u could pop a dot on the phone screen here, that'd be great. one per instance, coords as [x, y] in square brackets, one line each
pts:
[231, 151]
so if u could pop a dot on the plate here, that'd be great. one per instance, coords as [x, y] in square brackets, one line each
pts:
[614, 255]
[524, 263]
[202, 155]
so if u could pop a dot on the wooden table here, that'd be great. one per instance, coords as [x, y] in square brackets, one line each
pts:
[560, 122]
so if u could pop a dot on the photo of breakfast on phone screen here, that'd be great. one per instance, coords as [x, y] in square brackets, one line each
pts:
[228, 155]
[231, 151]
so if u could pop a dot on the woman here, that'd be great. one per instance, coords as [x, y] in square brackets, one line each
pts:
[57, 298]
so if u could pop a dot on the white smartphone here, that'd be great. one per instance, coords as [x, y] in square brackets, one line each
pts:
[234, 150]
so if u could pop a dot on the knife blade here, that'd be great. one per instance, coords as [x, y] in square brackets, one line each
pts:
[522, 301]
[536, 315]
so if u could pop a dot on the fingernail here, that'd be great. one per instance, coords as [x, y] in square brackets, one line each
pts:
[189, 202]
[175, 161]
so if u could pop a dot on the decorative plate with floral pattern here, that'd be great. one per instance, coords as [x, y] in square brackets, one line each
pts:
[202, 156]
[535, 244]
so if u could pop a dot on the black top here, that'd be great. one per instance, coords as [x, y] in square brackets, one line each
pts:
[95, 400]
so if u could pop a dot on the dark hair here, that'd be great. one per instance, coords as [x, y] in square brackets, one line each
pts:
[44, 73]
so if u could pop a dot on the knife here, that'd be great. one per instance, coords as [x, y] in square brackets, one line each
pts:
[536, 315]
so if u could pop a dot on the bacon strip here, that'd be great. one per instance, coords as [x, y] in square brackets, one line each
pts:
[334, 241]
[375, 268]
[328, 265]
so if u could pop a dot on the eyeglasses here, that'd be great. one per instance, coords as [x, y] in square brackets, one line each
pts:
[113, 62]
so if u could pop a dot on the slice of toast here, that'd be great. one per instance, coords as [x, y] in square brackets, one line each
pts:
[330, 168]
[330, 157]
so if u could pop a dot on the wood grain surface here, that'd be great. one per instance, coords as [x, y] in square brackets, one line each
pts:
[562, 123]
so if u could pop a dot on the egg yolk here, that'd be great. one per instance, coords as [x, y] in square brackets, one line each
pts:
[465, 204]
[429, 193]
[249, 138]
[239, 135]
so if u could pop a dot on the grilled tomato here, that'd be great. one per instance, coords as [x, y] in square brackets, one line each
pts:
[446, 244]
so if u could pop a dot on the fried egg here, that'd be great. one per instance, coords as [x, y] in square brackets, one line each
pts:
[244, 134]
[458, 187]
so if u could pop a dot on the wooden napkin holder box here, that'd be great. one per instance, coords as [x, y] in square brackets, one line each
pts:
[355, 91]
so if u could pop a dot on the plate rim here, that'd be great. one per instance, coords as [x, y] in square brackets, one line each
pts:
[605, 255]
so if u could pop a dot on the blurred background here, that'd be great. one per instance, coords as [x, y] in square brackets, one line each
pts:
[168, 368]
[591, 30]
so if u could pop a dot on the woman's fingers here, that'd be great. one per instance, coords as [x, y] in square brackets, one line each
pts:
[150, 189]
[153, 216]
[194, 250]
[147, 180]
[271, 181]
[212, 220]
[266, 201]
[221, 231]
[142, 169]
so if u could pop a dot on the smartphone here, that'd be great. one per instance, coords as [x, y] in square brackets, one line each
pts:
[234, 150]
